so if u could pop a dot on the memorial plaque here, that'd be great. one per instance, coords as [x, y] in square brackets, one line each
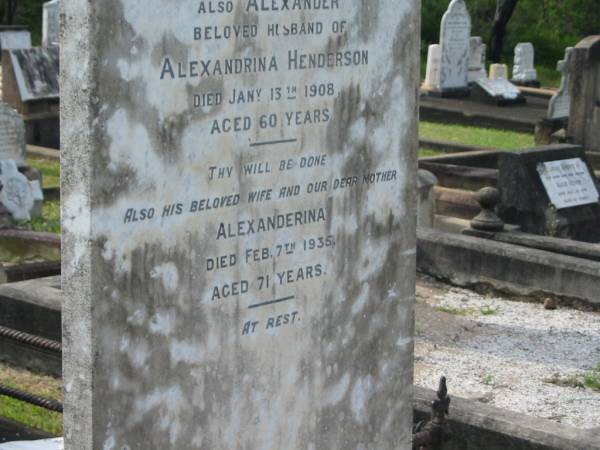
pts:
[12, 135]
[455, 38]
[568, 183]
[560, 103]
[239, 223]
[498, 91]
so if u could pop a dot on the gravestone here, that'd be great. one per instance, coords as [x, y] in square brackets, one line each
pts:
[51, 23]
[238, 193]
[524, 72]
[12, 135]
[477, 56]
[455, 37]
[14, 37]
[550, 191]
[496, 89]
[560, 103]
[584, 121]
[432, 75]
[18, 195]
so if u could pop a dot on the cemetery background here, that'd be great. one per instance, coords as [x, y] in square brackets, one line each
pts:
[549, 48]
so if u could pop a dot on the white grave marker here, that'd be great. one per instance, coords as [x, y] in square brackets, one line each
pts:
[477, 56]
[524, 64]
[568, 183]
[560, 103]
[455, 37]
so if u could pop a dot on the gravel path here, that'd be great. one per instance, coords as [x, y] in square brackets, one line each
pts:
[513, 355]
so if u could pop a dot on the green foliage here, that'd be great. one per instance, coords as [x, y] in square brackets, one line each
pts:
[551, 25]
[29, 13]
[50, 221]
[592, 379]
[49, 168]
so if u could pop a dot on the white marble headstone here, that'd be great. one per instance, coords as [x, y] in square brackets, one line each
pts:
[51, 23]
[455, 35]
[432, 76]
[18, 193]
[12, 135]
[524, 64]
[14, 39]
[477, 57]
[560, 103]
[498, 71]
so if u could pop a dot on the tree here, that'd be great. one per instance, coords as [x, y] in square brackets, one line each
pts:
[8, 11]
[504, 11]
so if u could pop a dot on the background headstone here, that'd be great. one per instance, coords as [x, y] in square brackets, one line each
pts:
[560, 103]
[12, 135]
[525, 200]
[51, 23]
[498, 71]
[477, 57]
[432, 75]
[455, 37]
[524, 71]
[18, 194]
[35, 71]
[238, 225]
[584, 120]
[14, 37]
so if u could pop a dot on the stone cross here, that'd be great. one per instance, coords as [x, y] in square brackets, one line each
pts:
[238, 225]
[560, 103]
[455, 37]
[524, 68]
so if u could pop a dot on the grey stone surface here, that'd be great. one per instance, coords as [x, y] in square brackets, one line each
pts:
[584, 120]
[51, 23]
[455, 35]
[18, 194]
[477, 57]
[162, 348]
[497, 90]
[426, 181]
[524, 64]
[14, 39]
[12, 135]
[36, 72]
[560, 103]
[525, 200]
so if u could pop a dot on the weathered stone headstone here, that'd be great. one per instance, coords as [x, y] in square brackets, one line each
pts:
[524, 72]
[35, 73]
[14, 37]
[560, 103]
[477, 56]
[584, 120]
[238, 223]
[51, 23]
[18, 194]
[497, 89]
[432, 75]
[12, 135]
[550, 191]
[498, 71]
[455, 36]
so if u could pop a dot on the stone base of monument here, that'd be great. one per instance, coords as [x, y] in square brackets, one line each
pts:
[446, 93]
[546, 128]
[499, 92]
[530, 83]
[550, 191]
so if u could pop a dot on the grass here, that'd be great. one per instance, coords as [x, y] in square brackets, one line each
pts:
[49, 168]
[32, 416]
[50, 220]
[592, 379]
[482, 137]
[463, 312]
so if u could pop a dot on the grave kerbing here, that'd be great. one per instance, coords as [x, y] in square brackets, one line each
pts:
[238, 265]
